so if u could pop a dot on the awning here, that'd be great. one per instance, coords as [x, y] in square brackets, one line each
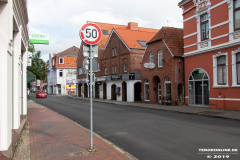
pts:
[30, 77]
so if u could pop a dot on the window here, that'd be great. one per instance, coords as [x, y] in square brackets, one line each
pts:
[238, 68]
[236, 15]
[61, 60]
[204, 27]
[98, 67]
[151, 58]
[142, 43]
[160, 63]
[60, 73]
[105, 32]
[112, 51]
[115, 69]
[221, 70]
[105, 70]
[125, 67]
[146, 89]
[115, 51]
[80, 71]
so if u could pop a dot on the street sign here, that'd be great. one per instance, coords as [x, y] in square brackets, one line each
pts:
[86, 51]
[86, 64]
[88, 79]
[90, 33]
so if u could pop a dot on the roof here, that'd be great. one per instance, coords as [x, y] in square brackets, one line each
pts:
[182, 2]
[173, 37]
[131, 37]
[70, 52]
[110, 27]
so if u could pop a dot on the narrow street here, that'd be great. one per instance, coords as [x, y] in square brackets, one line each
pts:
[148, 133]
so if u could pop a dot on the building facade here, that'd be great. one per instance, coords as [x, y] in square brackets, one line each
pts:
[61, 76]
[162, 72]
[119, 74]
[13, 55]
[212, 53]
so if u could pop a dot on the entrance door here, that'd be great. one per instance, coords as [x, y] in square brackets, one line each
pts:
[159, 92]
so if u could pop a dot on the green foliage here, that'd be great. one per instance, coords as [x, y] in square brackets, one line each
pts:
[38, 65]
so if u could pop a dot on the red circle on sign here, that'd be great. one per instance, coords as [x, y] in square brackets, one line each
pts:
[86, 39]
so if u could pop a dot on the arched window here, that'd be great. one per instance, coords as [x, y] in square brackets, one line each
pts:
[160, 62]
[146, 89]
[151, 58]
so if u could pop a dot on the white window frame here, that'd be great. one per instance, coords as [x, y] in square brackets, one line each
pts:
[62, 60]
[125, 67]
[234, 68]
[215, 78]
[160, 62]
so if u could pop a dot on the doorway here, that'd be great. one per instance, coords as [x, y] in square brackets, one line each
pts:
[113, 94]
[124, 91]
[137, 91]
[104, 91]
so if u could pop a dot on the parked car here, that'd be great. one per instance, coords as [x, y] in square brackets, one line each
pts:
[41, 94]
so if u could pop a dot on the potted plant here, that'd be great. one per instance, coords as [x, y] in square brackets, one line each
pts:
[180, 101]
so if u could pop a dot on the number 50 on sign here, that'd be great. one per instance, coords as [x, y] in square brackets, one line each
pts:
[90, 33]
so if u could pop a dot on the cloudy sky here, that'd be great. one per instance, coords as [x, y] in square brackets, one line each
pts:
[63, 19]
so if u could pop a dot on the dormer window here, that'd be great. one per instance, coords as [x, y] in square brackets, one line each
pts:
[61, 60]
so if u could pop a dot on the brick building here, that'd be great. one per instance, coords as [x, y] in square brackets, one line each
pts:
[163, 80]
[119, 59]
[212, 53]
[61, 76]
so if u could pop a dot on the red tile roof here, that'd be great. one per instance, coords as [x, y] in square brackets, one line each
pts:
[173, 37]
[70, 52]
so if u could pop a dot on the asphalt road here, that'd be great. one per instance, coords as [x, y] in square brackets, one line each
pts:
[150, 134]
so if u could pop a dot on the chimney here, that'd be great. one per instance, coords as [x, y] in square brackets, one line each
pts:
[133, 26]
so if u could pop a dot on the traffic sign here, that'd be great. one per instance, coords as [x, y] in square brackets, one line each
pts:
[86, 51]
[90, 33]
[88, 79]
[86, 64]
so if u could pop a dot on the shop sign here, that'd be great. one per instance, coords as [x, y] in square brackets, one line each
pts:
[131, 75]
[39, 38]
[149, 65]
[116, 77]
[100, 79]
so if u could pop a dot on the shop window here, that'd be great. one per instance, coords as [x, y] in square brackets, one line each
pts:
[160, 62]
[125, 67]
[146, 89]
[60, 73]
[151, 58]
[236, 14]
[220, 70]
[204, 27]
[61, 60]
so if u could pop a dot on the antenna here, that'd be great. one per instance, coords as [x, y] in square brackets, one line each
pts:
[169, 23]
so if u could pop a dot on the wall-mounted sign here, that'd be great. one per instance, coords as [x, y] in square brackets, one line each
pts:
[116, 77]
[149, 65]
[98, 83]
[29, 62]
[39, 38]
[131, 75]
[100, 78]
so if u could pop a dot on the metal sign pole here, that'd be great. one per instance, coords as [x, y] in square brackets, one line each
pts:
[91, 121]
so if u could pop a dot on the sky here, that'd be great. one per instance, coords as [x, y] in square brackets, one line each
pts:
[63, 19]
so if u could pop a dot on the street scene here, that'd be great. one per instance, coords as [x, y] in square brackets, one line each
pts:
[125, 80]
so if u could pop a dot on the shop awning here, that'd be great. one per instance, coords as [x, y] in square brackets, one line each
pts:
[30, 77]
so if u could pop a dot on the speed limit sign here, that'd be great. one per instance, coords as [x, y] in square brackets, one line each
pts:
[90, 33]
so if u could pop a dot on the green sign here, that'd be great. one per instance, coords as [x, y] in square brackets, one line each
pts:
[39, 38]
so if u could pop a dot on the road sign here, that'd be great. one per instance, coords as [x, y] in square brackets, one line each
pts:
[86, 64]
[86, 51]
[88, 79]
[90, 33]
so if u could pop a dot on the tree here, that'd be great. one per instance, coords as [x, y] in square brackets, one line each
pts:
[38, 65]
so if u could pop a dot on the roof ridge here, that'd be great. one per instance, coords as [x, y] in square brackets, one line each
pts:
[65, 50]
[136, 30]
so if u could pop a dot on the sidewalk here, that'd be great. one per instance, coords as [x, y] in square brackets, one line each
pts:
[55, 137]
[182, 109]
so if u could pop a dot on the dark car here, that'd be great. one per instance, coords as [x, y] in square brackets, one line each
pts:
[41, 94]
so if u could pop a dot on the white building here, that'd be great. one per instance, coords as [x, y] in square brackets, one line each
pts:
[61, 72]
[13, 55]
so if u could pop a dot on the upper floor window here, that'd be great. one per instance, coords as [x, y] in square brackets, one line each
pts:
[80, 71]
[98, 67]
[112, 51]
[115, 69]
[204, 27]
[60, 73]
[236, 15]
[105, 70]
[221, 70]
[115, 51]
[151, 58]
[160, 63]
[125, 67]
[238, 68]
[61, 60]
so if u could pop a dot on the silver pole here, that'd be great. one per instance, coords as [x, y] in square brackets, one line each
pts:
[91, 118]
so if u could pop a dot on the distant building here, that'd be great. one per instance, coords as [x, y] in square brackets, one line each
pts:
[212, 53]
[61, 76]
[13, 69]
